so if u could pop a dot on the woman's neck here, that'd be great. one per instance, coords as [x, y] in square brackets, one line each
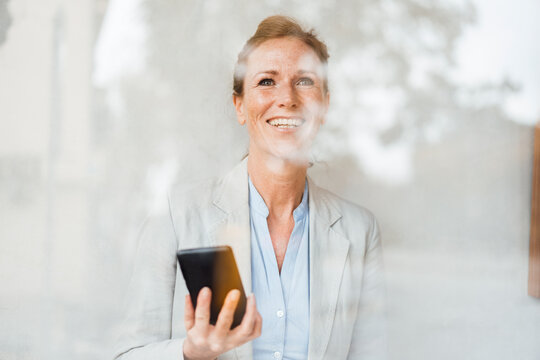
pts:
[280, 182]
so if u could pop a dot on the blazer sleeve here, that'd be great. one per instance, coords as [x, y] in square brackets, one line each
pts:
[369, 334]
[147, 329]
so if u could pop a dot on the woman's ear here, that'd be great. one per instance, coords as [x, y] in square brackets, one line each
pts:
[238, 104]
[326, 105]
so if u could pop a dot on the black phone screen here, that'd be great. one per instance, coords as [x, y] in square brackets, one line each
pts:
[216, 268]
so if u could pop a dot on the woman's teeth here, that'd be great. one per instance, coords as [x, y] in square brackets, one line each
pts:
[285, 123]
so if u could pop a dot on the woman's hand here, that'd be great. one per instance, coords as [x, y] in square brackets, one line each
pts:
[205, 341]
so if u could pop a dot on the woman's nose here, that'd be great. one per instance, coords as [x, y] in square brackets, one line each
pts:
[287, 96]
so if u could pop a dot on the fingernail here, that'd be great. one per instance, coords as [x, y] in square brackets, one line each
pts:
[235, 295]
[205, 290]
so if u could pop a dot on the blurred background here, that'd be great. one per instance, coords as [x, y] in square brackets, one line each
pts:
[105, 103]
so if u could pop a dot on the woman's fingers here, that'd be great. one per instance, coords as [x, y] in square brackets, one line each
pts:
[189, 314]
[226, 314]
[208, 341]
[246, 328]
[202, 311]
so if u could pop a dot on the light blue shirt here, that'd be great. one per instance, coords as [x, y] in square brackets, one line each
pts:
[283, 301]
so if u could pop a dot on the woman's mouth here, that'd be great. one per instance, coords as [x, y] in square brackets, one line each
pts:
[286, 123]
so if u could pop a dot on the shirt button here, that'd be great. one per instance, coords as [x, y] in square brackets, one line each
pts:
[277, 355]
[280, 313]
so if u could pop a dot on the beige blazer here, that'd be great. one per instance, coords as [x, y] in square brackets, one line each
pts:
[346, 291]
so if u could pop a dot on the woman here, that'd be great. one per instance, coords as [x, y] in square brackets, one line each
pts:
[311, 259]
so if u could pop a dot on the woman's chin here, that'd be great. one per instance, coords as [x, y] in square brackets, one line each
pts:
[292, 153]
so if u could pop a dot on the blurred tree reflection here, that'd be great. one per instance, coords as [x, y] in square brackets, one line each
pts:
[405, 138]
[391, 84]
[391, 80]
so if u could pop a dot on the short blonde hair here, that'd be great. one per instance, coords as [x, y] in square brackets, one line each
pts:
[273, 27]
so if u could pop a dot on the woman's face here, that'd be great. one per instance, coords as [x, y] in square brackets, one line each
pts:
[283, 101]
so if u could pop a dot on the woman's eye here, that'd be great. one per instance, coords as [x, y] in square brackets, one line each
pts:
[266, 82]
[305, 81]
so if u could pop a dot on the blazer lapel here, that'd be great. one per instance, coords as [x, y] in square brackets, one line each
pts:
[328, 253]
[234, 230]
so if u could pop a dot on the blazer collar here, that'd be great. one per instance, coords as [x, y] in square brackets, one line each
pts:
[232, 194]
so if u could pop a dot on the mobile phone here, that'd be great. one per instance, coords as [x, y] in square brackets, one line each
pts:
[216, 268]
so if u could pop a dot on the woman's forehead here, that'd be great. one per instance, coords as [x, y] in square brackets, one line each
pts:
[282, 54]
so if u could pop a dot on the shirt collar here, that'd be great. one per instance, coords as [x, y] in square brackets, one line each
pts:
[257, 204]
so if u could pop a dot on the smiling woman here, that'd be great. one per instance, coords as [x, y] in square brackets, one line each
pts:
[311, 259]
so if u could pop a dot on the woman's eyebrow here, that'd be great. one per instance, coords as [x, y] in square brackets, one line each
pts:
[275, 72]
[302, 72]
[271, 72]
